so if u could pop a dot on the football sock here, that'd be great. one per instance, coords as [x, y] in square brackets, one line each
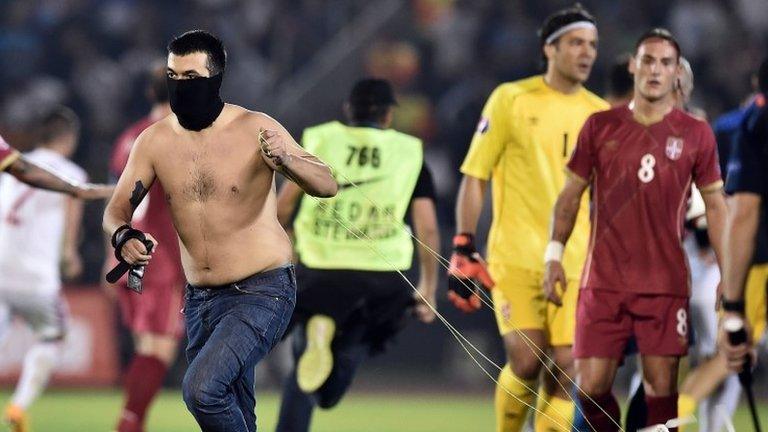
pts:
[661, 409]
[38, 366]
[511, 399]
[552, 416]
[142, 381]
[601, 413]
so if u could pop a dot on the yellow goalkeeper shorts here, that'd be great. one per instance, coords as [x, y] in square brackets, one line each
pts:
[520, 304]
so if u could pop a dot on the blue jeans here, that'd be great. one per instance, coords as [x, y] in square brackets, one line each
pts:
[230, 329]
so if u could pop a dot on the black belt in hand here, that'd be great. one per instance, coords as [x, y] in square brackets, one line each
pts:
[135, 272]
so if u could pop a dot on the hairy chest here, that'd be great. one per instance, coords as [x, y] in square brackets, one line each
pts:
[200, 174]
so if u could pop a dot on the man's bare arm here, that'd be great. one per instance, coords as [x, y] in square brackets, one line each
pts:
[283, 154]
[469, 203]
[424, 218]
[716, 213]
[738, 240]
[34, 175]
[133, 186]
[738, 247]
[567, 208]
[563, 220]
[287, 200]
[72, 265]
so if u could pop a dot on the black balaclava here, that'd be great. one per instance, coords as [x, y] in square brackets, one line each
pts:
[196, 102]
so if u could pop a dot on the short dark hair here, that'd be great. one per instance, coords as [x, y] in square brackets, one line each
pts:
[659, 33]
[620, 81]
[560, 19]
[201, 41]
[57, 122]
[370, 100]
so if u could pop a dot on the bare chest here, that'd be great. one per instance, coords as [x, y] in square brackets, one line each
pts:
[200, 174]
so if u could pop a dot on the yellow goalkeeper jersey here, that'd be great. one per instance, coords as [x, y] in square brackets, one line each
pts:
[523, 141]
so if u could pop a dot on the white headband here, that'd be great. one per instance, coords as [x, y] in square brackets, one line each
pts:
[565, 29]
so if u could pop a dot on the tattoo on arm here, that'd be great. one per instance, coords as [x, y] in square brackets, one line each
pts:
[566, 210]
[138, 194]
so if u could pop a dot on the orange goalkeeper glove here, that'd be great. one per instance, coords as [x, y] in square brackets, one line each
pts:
[466, 270]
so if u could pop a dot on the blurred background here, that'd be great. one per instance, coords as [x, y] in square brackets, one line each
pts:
[296, 61]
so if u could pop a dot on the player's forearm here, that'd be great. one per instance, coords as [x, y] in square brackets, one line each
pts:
[120, 208]
[74, 217]
[114, 217]
[738, 247]
[469, 203]
[39, 177]
[311, 175]
[716, 213]
[430, 236]
[564, 216]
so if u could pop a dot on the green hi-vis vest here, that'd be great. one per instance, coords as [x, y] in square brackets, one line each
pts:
[362, 227]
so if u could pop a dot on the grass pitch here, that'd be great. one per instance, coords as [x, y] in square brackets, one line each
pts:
[97, 410]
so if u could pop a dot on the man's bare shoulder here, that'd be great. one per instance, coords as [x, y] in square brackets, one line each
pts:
[151, 139]
[251, 119]
[158, 130]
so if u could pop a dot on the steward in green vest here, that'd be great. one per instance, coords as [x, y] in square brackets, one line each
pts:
[351, 299]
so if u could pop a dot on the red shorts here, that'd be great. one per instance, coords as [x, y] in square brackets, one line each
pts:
[157, 309]
[606, 320]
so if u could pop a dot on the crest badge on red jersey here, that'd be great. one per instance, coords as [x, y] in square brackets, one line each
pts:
[674, 148]
[483, 125]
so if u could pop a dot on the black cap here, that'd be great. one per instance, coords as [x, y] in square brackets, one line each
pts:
[372, 91]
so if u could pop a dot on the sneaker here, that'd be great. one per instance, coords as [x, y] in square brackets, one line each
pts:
[316, 362]
[16, 418]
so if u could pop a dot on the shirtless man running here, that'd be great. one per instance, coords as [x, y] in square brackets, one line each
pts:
[216, 163]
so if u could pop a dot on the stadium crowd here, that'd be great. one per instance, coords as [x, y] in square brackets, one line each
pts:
[444, 57]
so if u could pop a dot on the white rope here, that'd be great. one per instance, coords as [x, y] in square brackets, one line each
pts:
[542, 356]
[456, 333]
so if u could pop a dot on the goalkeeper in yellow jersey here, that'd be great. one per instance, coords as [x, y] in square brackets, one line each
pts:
[522, 143]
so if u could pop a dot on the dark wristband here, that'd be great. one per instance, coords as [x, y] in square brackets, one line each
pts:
[736, 306]
[464, 244]
[118, 231]
[122, 238]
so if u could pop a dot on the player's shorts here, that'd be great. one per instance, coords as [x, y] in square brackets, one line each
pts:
[606, 320]
[376, 300]
[46, 314]
[519, 304]
[755, 299]
[156, 310]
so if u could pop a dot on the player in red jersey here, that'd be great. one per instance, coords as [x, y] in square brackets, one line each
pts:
[153, 316]
[640, 160]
